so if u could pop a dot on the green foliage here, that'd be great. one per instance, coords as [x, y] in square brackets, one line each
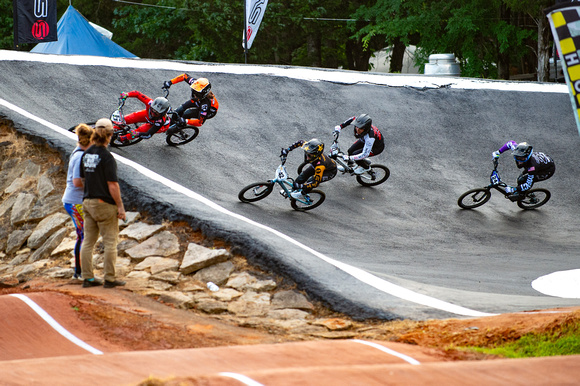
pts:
[6, 25]
[562, 342]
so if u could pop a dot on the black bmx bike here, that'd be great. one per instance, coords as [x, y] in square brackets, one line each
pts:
[530, 199]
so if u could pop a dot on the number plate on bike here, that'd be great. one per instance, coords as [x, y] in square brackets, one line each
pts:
[281, 173]
[494, 178]
[116, 117]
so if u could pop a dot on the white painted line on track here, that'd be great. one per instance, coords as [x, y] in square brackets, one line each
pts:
[242, 378]
[563, 284]
[54, 324]
[309, 74]
[370, 279]
[387, 350]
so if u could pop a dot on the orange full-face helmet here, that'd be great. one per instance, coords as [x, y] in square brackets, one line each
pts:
[200, 88]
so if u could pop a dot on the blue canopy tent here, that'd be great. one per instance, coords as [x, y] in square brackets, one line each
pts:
[77, 37]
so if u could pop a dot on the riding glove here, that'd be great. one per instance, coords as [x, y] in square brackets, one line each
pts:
[495, 154]
[167, 84]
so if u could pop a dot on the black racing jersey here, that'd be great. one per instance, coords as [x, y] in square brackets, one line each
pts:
[98, 168]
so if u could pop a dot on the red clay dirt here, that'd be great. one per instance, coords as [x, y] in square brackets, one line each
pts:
[146, 342]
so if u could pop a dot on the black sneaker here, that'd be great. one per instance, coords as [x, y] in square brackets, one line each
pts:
[113, 284]
[91, 283]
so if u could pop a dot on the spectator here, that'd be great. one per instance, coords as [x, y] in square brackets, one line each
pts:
[102, 205]
[73, 194]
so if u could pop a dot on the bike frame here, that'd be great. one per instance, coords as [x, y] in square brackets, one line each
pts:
[281, 178]
[495, 180]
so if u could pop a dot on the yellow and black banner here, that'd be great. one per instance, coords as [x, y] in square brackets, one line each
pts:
[565, 22]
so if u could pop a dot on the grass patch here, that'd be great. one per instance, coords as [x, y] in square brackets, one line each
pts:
[563, 342]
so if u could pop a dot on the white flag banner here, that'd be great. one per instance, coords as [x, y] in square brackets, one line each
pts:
[255, 10]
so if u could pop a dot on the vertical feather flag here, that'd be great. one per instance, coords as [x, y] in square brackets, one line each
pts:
[255, 10]
[34, 21]
[565, 23]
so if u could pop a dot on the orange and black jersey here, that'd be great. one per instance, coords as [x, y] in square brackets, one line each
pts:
[205, 108]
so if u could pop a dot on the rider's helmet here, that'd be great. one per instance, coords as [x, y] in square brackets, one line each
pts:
[200, 88]
[158, 108]
[522, 152]
[313, 149]
[363, 122]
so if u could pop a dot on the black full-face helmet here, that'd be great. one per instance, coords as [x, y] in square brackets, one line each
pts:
[313, 149]
[363, 122]
[522, 152]
[158, 108]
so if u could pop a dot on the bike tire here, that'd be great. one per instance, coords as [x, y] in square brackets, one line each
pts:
[182, 136]
[72, 129]
[256, 191]
[116, 142]
[381, 174]
[474, 198]
[534, 198]
[315, 195]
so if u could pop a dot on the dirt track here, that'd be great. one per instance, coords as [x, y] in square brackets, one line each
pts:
[122, 326]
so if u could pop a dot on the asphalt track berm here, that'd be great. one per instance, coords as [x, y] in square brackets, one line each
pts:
[403, 249]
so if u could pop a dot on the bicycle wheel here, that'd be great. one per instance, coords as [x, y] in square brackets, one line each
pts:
[116, 141]
[376, 176]
[182, 136]
[256, 191]
[315, 199]
[534, 198]
[474, 198]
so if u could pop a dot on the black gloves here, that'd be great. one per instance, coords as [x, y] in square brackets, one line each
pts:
[167, 84]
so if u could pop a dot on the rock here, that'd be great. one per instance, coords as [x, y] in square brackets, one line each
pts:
[226, 294]
[141, 231]
[198, 257]
[46, 228]
[251, 304]
[245, 281]
[46, 249]
[6, 204]
[217, 273]
[31, 169]
[66, 245]
[163, 244]
[8, 281]
[60, 273]
[165, 264]
[21, 208]
[46, 207]
[148, 262]
[18, 185]
[334, 324]
[291, 299]
[130, 218]
[16, 240]
[168, 277]
[44, 186]
[287, 314]
[179, 299]
[212, 306]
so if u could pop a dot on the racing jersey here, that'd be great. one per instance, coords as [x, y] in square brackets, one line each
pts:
[207, 106]
[151, 126]
[538, 167]
[314, 172]
[373, 144]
